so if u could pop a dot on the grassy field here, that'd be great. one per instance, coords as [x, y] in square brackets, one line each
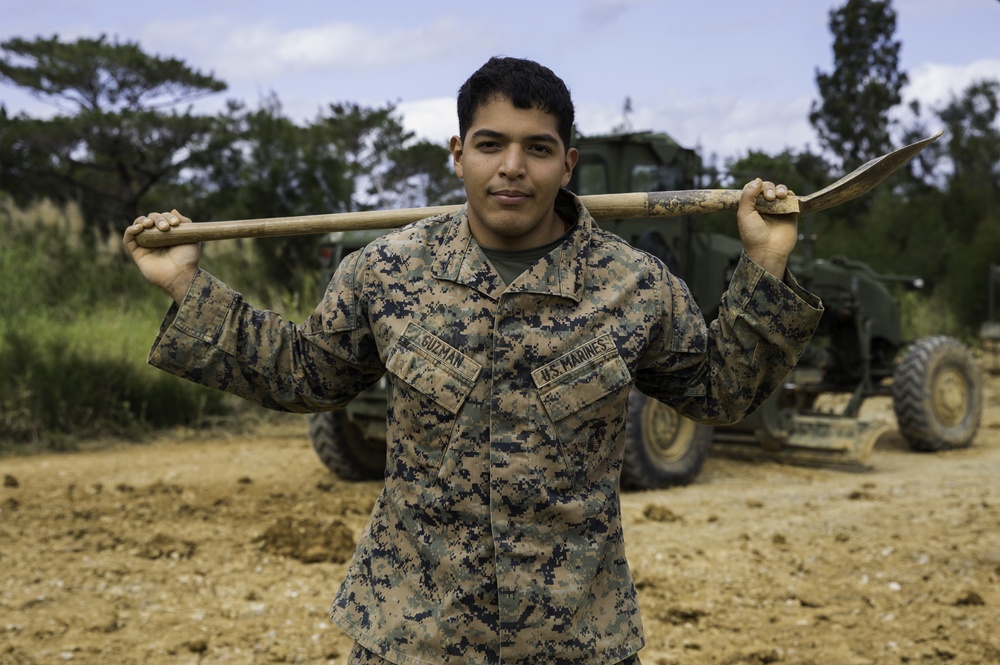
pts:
[77, 324]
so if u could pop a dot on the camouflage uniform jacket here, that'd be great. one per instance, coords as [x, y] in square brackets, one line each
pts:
[498, 535]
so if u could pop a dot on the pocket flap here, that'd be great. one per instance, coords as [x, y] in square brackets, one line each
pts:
[433, 367]
[581, 377]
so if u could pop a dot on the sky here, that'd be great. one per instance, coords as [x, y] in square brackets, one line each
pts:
[719, 75]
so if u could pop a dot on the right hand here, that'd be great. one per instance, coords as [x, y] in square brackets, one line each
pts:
[171, 268]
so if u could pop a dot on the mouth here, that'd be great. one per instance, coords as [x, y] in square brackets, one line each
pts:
[509, 196]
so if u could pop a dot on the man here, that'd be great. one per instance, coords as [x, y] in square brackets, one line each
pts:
[511, 333]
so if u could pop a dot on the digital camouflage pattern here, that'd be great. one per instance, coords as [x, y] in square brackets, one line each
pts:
[361, 656]
[498, 535]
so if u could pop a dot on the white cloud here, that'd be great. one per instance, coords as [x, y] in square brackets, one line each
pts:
[260, 50]
[935, 84]
[724, 125]
[434, 120]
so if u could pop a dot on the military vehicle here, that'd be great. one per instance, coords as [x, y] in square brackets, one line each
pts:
[858, 352]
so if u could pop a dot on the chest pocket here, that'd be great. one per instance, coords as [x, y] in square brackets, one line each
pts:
[585, 393]
[433, 367]
[434, 380]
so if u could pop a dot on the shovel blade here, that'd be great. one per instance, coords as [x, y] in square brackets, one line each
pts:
[862, 179]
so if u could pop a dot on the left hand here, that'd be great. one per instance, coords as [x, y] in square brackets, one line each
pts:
[767, 239]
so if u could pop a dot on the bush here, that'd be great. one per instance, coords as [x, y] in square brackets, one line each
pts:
[74, 337]
[55, 390]
[77, 325]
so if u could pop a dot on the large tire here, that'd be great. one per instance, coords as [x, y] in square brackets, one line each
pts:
[662, 448]
[937, 394]
[343, 448]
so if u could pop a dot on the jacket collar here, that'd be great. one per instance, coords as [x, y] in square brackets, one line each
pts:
[560, 273]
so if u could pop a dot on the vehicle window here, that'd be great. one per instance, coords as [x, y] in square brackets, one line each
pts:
[591, 176]
[656, 178]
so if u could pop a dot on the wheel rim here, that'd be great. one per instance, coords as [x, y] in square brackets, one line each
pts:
[668, 435]
[951, 397]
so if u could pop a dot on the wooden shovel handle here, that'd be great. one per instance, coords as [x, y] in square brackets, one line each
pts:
[601, 206]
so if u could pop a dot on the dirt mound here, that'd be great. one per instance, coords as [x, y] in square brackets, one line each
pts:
[308, 540]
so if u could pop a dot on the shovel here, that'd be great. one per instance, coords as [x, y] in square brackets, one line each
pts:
[601, 206]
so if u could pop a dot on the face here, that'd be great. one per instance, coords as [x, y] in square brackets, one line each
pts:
[513, 164]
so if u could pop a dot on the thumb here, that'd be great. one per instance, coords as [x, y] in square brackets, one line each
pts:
[748, 198]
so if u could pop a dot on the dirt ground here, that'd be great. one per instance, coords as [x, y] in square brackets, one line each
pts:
[229, 550]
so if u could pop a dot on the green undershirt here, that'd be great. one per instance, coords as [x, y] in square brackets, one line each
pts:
[510, 263]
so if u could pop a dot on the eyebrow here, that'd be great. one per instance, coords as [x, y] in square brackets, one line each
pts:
[535, 138]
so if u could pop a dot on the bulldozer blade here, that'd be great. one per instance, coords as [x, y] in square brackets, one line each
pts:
[601, 206]
[820, 440]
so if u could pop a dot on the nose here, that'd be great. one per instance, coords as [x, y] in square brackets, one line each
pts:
[512, 162]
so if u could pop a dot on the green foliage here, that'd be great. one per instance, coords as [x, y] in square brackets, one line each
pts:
[968, 272]
[117, 144]
[973, 147]
[76, 328]
[117, 133]
[61, 381]
[935, 219]
[927, 315]
[852, 116]
[101, 76]
[350, 158]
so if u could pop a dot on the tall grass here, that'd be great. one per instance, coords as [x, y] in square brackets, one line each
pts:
[76, 325]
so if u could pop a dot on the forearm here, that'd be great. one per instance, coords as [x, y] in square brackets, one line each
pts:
[762, 327]
[213, 337]
[179, 286]
[775, 264]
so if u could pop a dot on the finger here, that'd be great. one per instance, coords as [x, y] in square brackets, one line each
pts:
[748, 199]
[131, 231]
[769, 191]
[160, 221]
[781, 191]
[182, 218]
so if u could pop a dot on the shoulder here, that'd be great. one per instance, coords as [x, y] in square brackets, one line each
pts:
[412, 239]
[607, 247]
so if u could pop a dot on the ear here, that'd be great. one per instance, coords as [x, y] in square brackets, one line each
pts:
[455, 146]
[572, 156]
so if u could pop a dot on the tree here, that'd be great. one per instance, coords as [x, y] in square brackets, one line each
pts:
[852, 118]
[803, 172]
[973, 142]
[420, 174]
[973, 188]
[118, 130]
[350, 158]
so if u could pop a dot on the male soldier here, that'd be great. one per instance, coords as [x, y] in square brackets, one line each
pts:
[511, 332]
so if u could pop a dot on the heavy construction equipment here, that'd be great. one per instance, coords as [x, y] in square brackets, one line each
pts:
[989, 331]
[857, 353]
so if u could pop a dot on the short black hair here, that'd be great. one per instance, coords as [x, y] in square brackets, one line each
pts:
[525, 84]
